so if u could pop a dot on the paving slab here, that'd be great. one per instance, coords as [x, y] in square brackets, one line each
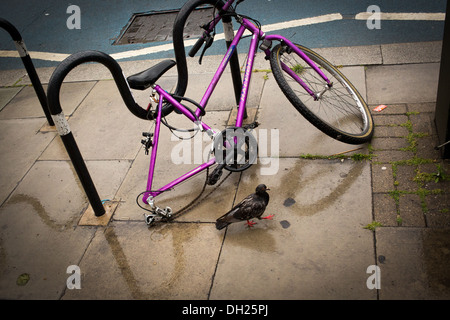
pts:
[170, 261]
[415, 263]
[11, 77]
[35, 246]
[6, 94]
[411, 83]
[26, 104]
[301, 254]
[352, 56]
[20, 145]
[421, 52]
[38, 234]
[298, 136]
[382, 178]
[385, 210]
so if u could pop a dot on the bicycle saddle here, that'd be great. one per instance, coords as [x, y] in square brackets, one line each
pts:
[147, 78]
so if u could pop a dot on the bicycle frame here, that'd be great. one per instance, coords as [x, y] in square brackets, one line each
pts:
[258, 35]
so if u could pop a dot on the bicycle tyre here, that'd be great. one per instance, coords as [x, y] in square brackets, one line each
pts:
[352, 122]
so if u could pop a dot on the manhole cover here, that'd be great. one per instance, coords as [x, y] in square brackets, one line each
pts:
[157, 26]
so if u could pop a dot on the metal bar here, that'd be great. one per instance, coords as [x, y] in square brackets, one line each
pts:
[442, 112]
[298, 79]
[184, 177]
[246, 81]
[301, 54]
[234, 60]
[83, 174]
[154, 151]
[31, 70]
[221, 68]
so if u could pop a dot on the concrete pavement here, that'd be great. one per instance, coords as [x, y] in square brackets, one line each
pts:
[317, 247]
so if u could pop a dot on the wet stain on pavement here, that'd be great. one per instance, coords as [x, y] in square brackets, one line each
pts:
[258, 238]
[288, 202]
[40, 210]
[285, 224]
[124, 266]
[436, 249]
[296, 185]
[179, 234]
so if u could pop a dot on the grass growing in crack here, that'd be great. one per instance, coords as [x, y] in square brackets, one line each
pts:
[354, 157]
[438, 176]
[411, 138]
[373, 225]
[414, 161]
[421, 192]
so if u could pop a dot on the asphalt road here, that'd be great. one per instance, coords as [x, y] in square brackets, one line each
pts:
[43, 25]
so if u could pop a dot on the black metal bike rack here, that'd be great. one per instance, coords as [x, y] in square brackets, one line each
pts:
[26, 59]
[62, 126]
[442, 114]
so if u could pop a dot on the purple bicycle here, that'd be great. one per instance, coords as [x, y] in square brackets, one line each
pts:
[317, 89]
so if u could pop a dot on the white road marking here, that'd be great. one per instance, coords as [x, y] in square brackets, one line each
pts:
[423, 16]
[49, 56]
[221, 36]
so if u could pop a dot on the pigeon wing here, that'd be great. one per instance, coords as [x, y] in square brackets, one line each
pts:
[238, 213]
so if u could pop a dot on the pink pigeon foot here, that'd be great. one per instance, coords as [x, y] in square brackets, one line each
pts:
[250, 224]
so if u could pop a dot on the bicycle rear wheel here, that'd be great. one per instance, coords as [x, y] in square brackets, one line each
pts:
[339, 111]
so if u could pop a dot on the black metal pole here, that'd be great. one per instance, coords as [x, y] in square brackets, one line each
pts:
[83, 174]
[26, 60]
[442, 114]
[234, 60]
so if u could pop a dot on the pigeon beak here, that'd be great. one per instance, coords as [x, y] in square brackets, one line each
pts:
[267, 189]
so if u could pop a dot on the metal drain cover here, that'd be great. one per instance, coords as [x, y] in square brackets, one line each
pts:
[157, 26]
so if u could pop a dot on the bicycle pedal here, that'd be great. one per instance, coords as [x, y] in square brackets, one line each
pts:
[252, 125]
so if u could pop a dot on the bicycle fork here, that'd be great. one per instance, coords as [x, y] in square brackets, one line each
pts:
[291, 47]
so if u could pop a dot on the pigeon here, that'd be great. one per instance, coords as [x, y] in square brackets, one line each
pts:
[252, 206]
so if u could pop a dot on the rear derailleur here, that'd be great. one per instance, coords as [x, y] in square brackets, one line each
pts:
[158, 214]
